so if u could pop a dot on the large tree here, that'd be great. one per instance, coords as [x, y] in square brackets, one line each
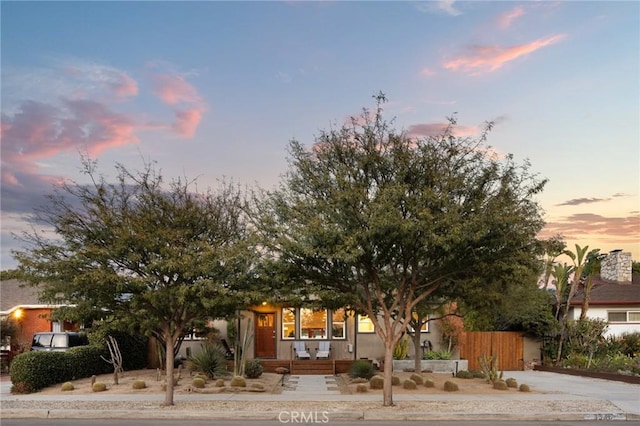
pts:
[383, 221]
[152, 254]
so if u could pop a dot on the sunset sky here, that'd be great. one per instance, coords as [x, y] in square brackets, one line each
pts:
[218, 89]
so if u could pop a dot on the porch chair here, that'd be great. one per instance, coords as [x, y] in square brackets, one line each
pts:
[301, 351]
[324, 350]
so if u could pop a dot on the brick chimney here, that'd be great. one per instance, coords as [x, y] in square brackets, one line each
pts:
[616, 267]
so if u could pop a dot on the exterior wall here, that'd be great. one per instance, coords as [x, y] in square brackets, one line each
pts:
[532, 352]
[32, 321]
[615, 329]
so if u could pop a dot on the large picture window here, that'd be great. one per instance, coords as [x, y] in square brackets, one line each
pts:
[313, 324]
[623, 316]
[288, 323]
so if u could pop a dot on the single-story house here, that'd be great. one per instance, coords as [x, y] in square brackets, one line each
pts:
[615, 296]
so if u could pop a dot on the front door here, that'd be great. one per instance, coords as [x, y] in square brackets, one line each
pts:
[265, 335]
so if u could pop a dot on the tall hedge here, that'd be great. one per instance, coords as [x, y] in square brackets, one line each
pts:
[32, 371]
[132, 347]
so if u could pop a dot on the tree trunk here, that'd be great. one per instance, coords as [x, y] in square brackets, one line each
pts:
[168, 395]
[417, 352]
[387, 390]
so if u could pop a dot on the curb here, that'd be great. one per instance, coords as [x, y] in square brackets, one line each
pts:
[320, 416]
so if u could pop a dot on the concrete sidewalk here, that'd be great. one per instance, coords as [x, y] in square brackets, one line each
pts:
[568, 398]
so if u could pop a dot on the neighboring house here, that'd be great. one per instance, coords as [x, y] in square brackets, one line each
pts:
[20, 302]
[615, 296]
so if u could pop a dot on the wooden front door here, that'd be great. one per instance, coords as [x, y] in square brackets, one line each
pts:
[265, 335]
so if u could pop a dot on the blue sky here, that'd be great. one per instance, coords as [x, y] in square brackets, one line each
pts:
[218, 89]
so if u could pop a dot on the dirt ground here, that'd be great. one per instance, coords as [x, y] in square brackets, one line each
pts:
[267, 383]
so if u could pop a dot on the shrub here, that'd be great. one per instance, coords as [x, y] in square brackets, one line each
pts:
[417, 379]
[395, 381]
[443, 354]
[409, 384]
[401, 349]
[500, 385]
[477, 374]
[201, 376]
[238, 382]
[138, 384]
[34, 370]
[219, 383]
[210, 360]
[253, 369]
[67, 386]
[511, 382]
[525, 388]
[99, 387]
[429, 383]
[132, 346]
[464, 374]
[361, 388]
[450, 386]
[376, 382]
[362, 368]
[197, 382]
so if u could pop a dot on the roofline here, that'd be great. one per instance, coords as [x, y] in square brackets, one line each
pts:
[14, 308]
[613, 302]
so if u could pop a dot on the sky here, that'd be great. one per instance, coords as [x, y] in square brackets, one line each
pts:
[217, 90]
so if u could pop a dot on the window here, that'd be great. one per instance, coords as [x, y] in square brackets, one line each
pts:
[337, 324]
[288, 323]
[313, 324]
[425, 326]
[365, 325]
[623, 316]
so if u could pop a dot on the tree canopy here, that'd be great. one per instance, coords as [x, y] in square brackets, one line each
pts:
[153, 254]
[382, 221]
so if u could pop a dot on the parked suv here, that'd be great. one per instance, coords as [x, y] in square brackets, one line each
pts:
[58, 341]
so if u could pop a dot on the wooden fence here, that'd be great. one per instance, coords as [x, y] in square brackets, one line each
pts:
[508, 346]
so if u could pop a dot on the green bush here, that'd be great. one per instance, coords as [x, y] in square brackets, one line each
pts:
[362, 368]
[429, 383]
[464, 374]
[376, 382]
[477, 374]
[253, 369]
[197, 382]
[132, 346]
[99, 387]
[210, 360]
[418, 379]
[450, 386]
[500, 385]
[525, 388]
[395, 381]
[401, 349]
[239, 382]
[511, 382]
[138, 384]
[219, 383]
[409, 384]
[443, 354]
[67, 386]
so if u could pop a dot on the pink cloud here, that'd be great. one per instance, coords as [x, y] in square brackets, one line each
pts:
[427, 72]
[581, 225]
[436, 129]
[125, 86]
[491, 58]
[506, 19]
[173, 89]
[40, 130]
[187, 122]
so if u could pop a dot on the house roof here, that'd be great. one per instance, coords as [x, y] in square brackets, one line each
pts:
[610, 293]
[14, 293]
